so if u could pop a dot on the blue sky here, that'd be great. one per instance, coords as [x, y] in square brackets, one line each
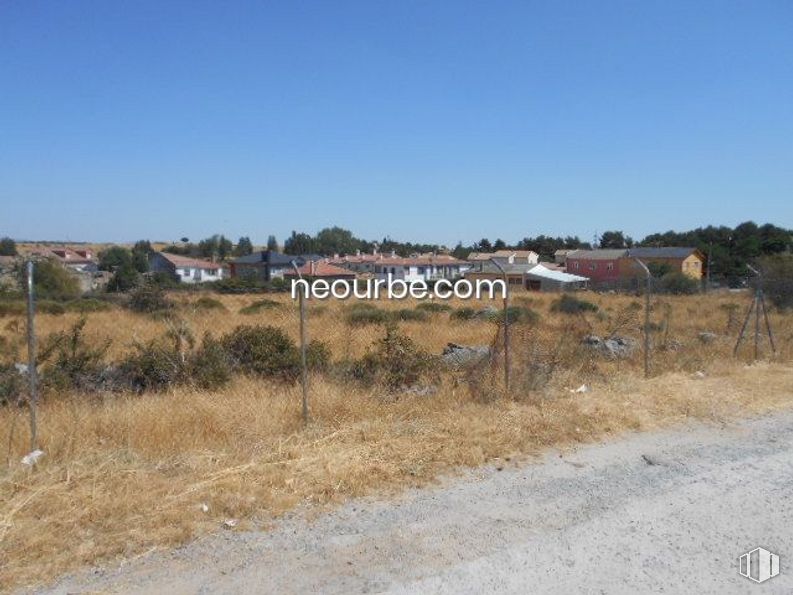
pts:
[426, 121]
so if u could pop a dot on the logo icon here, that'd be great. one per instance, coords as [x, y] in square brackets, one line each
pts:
[759, 565]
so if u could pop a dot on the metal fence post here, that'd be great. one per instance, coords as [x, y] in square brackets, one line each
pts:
[303, 360]
[506, 322]
[33, 397]
[646, 318]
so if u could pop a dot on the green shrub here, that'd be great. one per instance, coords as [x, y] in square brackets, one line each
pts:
[396, 361]
[259, 306]
[361, 314]
[87, 305]
[50, 307]
[514, 314]
[149, 298]
[464, 313]
[406, 314]
[209, 366]
[51, 281]
[208, 303]
[15, 308]
[152, 366]
[677, 284]
[433, 307]
[12, 384]
[318, 356]
[71, 361]
[262, 350]
[568, 304]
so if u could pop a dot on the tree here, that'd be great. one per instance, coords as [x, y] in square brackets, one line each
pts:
[114, 257]
[483, 245]
[615, 239]
[225, 247]
[125, 278]
[499, 244]
[140, 255]
[299, 243]
[8, 247]
[272, 243]
[335, 240]
[244, 247]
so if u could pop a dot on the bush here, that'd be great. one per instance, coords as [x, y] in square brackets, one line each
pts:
[50, 307]
[407, 314]
[259, 306]
[514, 314]
[88, 305]
[465, 313]
[152, 366]
[12, 384]
[361, 314]
[71, 362]
[209, 365]
[245, 284]
[396, 361]
[318, 356]
[568, 304]
[433, 307]
[149, 298]
[677, 284]
[262, 350]
[15, 308]
[52, 281]
[208, 303]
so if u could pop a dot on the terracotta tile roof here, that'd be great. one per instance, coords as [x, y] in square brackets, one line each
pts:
[321, 268]
[185, 261]
[387, 259]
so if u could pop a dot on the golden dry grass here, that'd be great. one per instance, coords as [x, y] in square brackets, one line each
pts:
[126, 474]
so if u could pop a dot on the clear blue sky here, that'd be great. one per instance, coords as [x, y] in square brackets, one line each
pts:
[427, 121]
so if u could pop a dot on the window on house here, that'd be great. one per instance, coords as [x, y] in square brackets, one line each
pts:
[610, 266]
[593, 267]
[575, 265]
[421, 270]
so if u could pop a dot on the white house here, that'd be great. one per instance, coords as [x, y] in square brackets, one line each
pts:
[184, 268]
[504, 257]
[427, 267]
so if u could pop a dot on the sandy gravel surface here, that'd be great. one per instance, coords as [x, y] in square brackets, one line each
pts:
[665, 512]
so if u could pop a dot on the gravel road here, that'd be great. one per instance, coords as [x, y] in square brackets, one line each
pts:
[666, 512]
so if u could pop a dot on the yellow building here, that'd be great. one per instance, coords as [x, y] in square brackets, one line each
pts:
[689, 261]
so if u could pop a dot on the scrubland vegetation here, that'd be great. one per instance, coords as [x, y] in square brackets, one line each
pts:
[165, 414]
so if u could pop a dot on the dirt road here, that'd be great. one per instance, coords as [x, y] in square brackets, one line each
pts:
[658, 512]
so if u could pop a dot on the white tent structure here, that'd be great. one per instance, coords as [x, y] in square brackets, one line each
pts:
[552, 280]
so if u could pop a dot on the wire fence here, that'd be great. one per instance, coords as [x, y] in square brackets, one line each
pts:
[529, 346]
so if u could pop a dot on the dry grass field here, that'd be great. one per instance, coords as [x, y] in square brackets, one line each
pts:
[123, 474]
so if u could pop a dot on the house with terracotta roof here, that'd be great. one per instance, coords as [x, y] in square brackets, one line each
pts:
[266, 265]
[519, 257]
[417, 267]
[184, 268]
[78, 260]
[321, 269]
